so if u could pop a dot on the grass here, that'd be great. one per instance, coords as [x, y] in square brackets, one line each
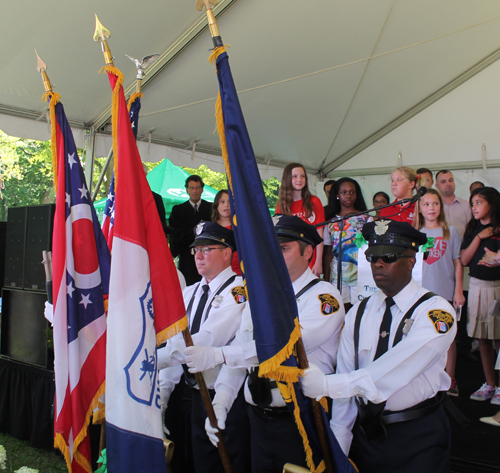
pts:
[19, 454]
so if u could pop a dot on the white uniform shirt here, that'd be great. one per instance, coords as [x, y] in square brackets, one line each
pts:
[406, 374]
[321, 316]
[216, 330]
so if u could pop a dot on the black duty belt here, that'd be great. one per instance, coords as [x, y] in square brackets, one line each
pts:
[422, 409]
[282, 412]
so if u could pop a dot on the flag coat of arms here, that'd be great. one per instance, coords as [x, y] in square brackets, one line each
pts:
[145, 307]
[81, 265]
[270, 292]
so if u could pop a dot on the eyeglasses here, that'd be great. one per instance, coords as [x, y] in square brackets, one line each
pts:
[204, 250]
[197, 188]
[387, 259]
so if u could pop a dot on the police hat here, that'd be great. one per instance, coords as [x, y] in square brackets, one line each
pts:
[210, 233]
[391, 237]
[291, 228]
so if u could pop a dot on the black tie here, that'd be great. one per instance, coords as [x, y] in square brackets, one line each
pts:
[195, 326]
[385, 329]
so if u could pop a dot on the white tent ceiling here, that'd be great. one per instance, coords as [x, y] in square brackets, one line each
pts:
[319, 81]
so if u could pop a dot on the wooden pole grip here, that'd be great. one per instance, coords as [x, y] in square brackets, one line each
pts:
[207, 401]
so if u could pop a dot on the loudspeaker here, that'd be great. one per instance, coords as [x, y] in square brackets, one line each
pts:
[15, 246]
[40, 222]
[29, 232]
[24, 334]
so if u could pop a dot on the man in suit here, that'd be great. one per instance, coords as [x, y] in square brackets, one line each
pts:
[183, 220]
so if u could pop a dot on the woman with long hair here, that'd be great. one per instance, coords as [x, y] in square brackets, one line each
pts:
[346, 199]
[222, 215]
[296, 199]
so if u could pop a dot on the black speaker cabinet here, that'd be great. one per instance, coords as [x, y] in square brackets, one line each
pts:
[29, 232]
[38, 238]
[24, 334]
[15, 246]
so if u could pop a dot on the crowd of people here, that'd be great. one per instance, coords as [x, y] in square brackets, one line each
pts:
[388, 373]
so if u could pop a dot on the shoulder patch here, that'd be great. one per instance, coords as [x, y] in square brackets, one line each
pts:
[329, 305]
[239, 294]
[442, 320]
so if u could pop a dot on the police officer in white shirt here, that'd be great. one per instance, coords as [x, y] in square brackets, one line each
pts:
[275, 439]
[390, 374]
[214, 307]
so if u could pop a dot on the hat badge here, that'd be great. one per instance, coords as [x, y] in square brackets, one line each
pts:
[381, 227]
[276, 219]
[199, 227]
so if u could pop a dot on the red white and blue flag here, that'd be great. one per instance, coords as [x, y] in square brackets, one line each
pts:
[109, 214]
[81, 266]
[109, 210]
[145, 307]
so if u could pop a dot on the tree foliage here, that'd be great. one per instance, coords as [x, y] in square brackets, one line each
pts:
[26, 173]
[218, 180]
[27, 176]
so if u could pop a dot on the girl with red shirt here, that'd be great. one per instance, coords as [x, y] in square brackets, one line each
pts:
[403, 182]
[296, 199]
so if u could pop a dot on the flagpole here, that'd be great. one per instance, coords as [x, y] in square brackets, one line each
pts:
[303, 365]
[301, 353]
[212, 24]
[207, 401]
[101, 35]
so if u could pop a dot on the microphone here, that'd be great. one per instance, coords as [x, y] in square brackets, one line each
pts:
[420, 192]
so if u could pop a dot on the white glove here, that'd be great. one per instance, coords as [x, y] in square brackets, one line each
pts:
[163, 407]
[203, 358]
[313, 383]
[171, 354]
[221, 414]
[49, 312]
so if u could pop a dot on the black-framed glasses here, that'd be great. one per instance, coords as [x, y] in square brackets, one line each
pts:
[387, 259]
[204, 250]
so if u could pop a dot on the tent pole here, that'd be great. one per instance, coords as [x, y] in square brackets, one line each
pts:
[103, 172]
[89, 158]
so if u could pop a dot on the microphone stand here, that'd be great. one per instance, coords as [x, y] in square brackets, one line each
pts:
[341, 220]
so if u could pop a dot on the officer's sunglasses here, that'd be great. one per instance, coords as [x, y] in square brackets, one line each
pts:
[387, 259]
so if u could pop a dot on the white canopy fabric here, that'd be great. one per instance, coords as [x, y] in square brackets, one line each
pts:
[319, 81]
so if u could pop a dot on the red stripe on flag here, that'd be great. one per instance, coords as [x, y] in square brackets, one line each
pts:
[137, 221]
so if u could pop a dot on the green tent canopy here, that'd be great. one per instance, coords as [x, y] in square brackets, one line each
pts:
[167, 180]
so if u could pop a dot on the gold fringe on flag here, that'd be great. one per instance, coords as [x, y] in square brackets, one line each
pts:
[60, 443]
[54, 99]
[133, 98]
[220, 119]
[172, 330]
[307, 447]
[114, 112]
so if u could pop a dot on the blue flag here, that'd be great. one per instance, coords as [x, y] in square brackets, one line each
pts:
[269, 288]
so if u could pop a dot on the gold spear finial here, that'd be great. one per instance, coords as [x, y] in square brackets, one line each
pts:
[102, 34]
[212, 24]
[42, 68]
